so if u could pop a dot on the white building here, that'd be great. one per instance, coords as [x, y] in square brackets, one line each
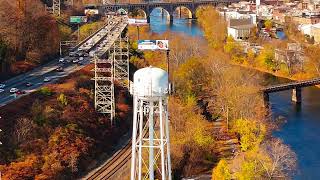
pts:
[240, 15]
[241, 32]
[240, 29]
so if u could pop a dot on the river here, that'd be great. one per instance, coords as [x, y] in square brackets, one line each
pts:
[300, 131]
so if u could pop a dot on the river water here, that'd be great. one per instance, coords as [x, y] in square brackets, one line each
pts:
[301, 131]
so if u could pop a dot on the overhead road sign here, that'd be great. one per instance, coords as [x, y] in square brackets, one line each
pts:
[138, 22]
[153, 44]
[78, 19]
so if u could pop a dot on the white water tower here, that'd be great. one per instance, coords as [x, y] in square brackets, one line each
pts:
[150, 135]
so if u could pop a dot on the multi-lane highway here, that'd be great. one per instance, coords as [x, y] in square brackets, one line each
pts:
[36, 77]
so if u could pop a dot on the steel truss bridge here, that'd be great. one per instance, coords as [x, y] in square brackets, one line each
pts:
[111, 65]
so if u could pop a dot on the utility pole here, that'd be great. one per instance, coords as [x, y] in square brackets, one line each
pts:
[78, 32]
[138, 29]
[168, 63]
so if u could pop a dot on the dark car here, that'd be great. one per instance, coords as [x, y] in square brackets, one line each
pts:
[28, 84]
[59, 69]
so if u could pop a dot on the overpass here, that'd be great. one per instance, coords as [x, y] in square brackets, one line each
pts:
[170, 8]
[294, 86]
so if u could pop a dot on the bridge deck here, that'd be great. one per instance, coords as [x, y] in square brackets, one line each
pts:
[292, 85]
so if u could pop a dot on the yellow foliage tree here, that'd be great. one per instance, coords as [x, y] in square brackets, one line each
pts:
[251, 132]
[222, 171]
[215, 27]
[268, 24]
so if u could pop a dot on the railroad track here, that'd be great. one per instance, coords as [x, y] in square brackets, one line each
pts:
[117, 161]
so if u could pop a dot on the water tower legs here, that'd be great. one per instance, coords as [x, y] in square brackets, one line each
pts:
[150, 140]
[296, 95]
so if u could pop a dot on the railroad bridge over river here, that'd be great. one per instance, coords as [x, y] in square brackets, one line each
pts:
[294, 86]
[169, 7]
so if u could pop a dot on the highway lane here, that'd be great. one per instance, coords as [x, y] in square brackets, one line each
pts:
[37, 75]
[37, 81]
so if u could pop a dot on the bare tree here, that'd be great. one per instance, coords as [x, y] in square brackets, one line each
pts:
[284, 160]
[23, 129]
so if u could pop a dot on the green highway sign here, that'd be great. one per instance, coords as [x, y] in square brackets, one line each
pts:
[78, 19]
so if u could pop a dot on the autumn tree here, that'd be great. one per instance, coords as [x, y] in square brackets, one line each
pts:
[312, 52]
[190, 78]
[62, 99]
[234, 49]
[266, 58]
[283, 160]
[25, 169]
[221, 171]
[251, 132]
[191, 142]
[28, 30]
[268, 24]
[214, 26]
[271, 160]
[37, 113]
[65, 147]
[23, 129]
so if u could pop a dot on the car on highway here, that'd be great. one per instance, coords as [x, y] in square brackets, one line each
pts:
[1, 90]
[72, 54]
[2, 86]
[14, 90]
[81, 59]
[75, 61]
[78, 54]
[59, 69]
[20, 92]
[47, 79]
[91, 53]
[61, 60]
[29, 84]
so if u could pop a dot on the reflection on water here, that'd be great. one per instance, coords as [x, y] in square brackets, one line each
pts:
[160, 24]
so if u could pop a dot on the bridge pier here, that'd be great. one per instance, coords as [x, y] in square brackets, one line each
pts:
[148, 19]
[296, 95]
[194, 15]
[171, 19]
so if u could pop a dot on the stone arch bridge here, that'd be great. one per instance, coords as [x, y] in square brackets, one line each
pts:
[147, 8]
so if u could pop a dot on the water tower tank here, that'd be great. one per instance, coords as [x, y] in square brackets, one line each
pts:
[150, 82]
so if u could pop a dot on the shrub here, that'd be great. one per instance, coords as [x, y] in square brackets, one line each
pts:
[222, 171]
[45, 91]
[62, 99]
